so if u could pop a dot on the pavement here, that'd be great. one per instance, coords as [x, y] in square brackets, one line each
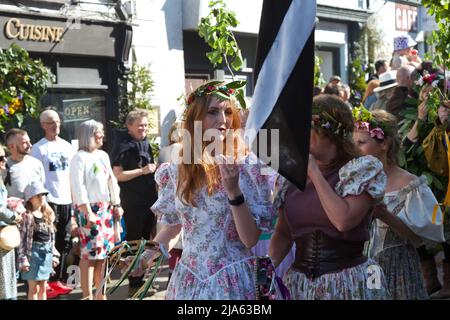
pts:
[121, 293]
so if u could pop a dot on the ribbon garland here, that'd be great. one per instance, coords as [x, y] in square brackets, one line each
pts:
[446, 202]
[136, 248]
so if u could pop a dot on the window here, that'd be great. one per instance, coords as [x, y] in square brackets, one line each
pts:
[74, 107]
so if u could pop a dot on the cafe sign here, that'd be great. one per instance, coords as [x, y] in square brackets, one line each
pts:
[15, 29]
[406, 18]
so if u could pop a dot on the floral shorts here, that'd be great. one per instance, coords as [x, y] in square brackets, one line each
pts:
[97, 241]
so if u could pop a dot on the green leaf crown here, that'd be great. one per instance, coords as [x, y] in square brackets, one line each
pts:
[221, 90]
[323, 120]
[364, 121]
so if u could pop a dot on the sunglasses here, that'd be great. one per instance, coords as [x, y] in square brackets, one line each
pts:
[2, 158]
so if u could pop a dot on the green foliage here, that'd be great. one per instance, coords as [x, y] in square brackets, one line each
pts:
[440, 39]
[357, 76]
[413, 158]
[318, 75]
[139, 87]
[22, 82]
[215, 29]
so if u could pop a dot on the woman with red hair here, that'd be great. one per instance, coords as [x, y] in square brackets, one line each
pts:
[218, 196]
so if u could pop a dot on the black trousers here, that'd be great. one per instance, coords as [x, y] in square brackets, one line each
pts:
[62, 238]
[140, 223]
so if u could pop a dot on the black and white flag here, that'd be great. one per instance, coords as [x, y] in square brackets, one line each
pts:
[282, 99]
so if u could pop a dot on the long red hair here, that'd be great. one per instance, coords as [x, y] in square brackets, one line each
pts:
[193, 176]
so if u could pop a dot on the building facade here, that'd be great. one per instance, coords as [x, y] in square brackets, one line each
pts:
[89, 49]
[166, 37]
[86, 46]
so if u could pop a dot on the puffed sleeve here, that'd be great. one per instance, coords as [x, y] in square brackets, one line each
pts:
[165, 205]
[417, 213]
[281, 186]
[363, 174]
[256, 186]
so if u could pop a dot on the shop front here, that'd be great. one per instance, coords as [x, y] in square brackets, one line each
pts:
[87, 57]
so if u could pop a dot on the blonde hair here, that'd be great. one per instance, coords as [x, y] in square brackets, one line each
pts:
[191, 176]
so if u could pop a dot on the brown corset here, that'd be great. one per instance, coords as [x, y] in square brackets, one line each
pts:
[318, 254]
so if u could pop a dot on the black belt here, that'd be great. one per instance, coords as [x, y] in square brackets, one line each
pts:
[318, 254]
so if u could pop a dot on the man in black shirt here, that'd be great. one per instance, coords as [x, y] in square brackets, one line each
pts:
[134, 168]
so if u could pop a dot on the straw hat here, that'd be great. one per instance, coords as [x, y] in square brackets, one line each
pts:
[387, 80]
[9, 237]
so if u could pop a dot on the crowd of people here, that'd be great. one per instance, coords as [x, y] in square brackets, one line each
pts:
[364, 227]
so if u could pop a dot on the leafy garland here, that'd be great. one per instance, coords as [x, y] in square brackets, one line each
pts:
[221, 90]
[364, 121]
[413, 158]
[323, 120]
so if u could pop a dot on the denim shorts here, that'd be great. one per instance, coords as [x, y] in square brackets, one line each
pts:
[40, 262]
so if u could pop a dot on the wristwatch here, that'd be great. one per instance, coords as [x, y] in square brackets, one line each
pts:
[237, 201]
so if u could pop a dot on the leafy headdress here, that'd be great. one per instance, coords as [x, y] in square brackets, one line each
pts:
[221, 90]
[364, 121]
[322, 119]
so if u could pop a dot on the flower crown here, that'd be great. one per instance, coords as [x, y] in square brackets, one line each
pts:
[323, 120]
[364, 121]
[221, 90]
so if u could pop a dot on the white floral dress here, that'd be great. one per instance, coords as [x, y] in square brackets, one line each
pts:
[363, 174]
[215, 264]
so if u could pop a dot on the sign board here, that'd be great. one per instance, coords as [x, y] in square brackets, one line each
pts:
[154, 122]
[77, 110]
[41, 34]
[406, 18]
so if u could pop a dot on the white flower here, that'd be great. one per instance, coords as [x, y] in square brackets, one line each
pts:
[435, 83]
[420, 81]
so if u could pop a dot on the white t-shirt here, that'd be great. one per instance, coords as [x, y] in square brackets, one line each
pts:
[23, 173]
[55, 157]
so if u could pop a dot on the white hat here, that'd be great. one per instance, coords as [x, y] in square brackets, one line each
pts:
[33, 189]
[403, 42]
[387, 80]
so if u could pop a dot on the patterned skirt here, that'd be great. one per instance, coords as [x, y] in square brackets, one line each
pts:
[232, 282]
[97, 241]
[8, 286]
[363, 282]
[401, 266]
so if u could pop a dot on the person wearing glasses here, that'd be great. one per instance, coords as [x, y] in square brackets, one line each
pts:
[55, 154]
[96, 200]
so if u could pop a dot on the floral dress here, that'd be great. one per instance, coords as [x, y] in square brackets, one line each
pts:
[215, 264]
[364, 174]
[8, 282]
[397, 256]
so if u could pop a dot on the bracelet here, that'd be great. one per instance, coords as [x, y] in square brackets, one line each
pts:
[237, 201]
